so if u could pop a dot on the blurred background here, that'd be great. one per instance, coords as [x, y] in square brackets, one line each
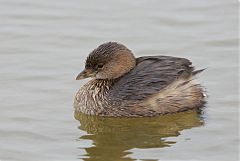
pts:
[44, 45]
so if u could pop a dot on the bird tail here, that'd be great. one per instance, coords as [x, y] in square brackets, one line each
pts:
[198, 71]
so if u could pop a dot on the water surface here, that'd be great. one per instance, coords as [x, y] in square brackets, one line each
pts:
[44, 45]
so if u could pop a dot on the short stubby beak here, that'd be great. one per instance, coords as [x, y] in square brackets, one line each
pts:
[86, 73]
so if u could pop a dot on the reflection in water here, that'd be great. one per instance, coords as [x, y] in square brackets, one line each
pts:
[113, 137]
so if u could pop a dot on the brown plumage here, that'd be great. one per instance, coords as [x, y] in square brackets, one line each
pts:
[147, 86]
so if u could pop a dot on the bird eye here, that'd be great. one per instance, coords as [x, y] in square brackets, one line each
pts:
[87, 66]
[100, 66]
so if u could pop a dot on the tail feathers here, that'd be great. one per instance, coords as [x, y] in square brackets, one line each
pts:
[198, 71]
[181, 95]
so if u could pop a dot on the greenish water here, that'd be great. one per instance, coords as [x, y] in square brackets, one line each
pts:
[114, 137]
[44, 45]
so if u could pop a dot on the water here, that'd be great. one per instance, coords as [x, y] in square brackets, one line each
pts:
[44, 45]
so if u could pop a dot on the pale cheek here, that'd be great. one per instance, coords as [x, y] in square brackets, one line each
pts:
[101, 75]
[104, 75]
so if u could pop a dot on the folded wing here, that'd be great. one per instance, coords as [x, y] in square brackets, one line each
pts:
[151, 74]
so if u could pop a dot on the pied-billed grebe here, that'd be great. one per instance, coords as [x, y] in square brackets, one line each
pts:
[123, 85]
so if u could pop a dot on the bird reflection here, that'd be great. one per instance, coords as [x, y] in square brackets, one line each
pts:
[113, 137]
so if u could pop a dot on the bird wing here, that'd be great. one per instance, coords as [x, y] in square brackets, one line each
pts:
[149, 76]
